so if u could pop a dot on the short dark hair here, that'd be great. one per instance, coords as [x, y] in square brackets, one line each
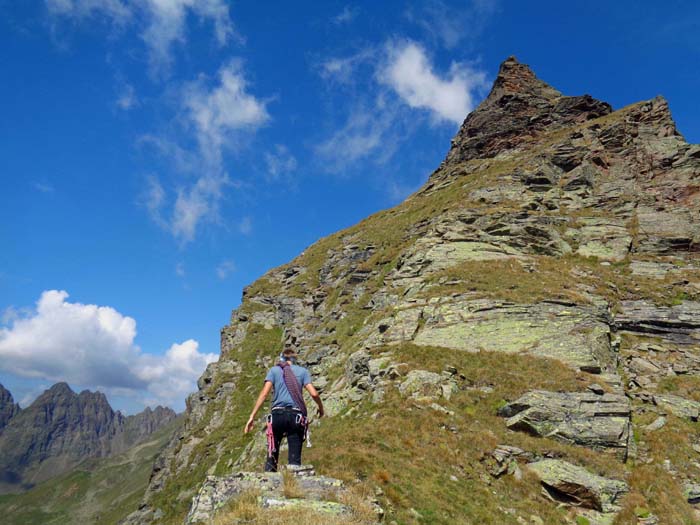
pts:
[289, 353]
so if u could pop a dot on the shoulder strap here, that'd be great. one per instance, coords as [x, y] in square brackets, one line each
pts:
[293, 386]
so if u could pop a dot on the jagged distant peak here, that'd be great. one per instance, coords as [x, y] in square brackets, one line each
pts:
[60, 388]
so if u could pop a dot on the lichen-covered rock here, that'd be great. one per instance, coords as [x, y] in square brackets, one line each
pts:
[576, 485]
[600, 422]
[678, 406]
[576, 335]
[319, 492]
[424, 385]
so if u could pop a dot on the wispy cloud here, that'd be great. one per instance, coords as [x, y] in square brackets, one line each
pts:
[117, 10]
[347, 15]
[343, 69]
[94, 346]
[279, 162]
[450, 25]
[162, 23]
[126, 99]
[219, 115]
[225, 269]
[364, 133]
[43, 187]
[246, 226]
[153, 198]
[180, 270]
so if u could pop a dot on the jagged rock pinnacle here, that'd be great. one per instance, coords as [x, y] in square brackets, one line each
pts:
[514, 77]
[519, 108]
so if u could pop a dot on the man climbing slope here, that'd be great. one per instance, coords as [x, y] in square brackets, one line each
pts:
[288, 415]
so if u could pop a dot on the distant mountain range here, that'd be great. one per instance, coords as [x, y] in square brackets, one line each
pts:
[61, 429]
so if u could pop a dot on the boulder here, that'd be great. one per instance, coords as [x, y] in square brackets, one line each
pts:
[572, 484]
[601, 422]
[678, 406]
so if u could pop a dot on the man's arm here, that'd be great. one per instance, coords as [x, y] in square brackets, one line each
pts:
[258, 403]
[317, 398]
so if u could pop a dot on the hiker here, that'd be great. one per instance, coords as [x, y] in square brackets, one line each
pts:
[288, 414]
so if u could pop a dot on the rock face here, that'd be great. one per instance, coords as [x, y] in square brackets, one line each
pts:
[556, 231]
[8, 407]
[61, 428]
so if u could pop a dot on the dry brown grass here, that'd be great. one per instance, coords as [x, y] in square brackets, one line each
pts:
[653, 489]
[290, 485]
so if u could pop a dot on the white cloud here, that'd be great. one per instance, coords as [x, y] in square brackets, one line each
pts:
[167, 24]
[153, 198]
[279, 162]
[93, 346]
[162, 22]
[410, 74]
[225, 269]
[221, 113]
[180, 269]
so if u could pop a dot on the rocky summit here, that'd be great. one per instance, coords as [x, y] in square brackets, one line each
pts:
[517, 342]
[60, 429]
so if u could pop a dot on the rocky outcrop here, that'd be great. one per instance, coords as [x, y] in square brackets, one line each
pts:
[313, 492]
[598, 421]
[678, 323]
[8, 407]
[576, 335]
[61, 428]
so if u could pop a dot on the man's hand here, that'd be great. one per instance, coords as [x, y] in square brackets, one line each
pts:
[249, 425]
[319, 412]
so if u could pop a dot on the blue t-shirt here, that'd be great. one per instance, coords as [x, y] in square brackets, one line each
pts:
[280, 394]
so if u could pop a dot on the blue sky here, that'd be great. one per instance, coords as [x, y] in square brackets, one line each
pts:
[158, 155]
